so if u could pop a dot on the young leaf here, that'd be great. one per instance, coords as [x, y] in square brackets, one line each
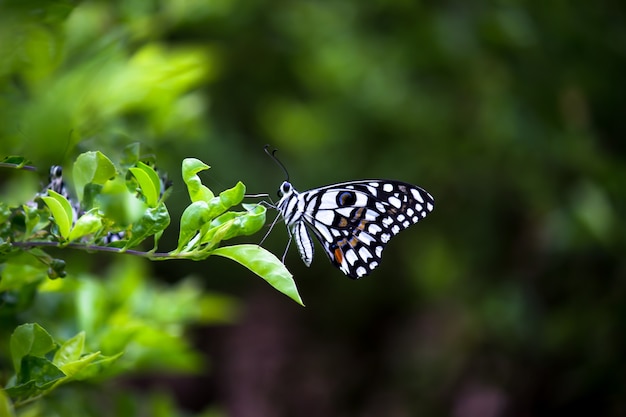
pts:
[29, 339]
[96, 365]
[91, 167]
[149, 182]
[233, 196]
[87, 224]
[197, 191]
[153, 221]
[265, 265]
[226, 200]
[61, 212]
[191, 221]
[70, 359]
[36, 376]
[70, 351]
[253, 220]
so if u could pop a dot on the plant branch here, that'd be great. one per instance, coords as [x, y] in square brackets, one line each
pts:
[97, 248]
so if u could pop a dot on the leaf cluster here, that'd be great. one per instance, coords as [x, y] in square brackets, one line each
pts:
[118, 207]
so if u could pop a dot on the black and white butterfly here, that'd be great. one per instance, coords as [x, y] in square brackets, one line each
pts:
[352, 220]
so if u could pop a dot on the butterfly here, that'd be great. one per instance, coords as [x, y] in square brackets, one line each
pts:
[352, 220]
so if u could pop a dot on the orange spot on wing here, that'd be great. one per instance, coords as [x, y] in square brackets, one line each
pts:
[338, 255]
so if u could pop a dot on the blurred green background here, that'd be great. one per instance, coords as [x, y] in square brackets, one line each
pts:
[509, 300]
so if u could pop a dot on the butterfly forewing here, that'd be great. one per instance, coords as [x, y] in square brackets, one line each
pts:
[354, 220]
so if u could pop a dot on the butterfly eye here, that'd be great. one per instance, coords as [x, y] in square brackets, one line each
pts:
[285, 188]
[56, 171]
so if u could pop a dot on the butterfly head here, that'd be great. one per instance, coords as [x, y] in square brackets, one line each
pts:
[285, 189]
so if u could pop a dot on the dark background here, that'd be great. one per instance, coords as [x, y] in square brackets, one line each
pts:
[508, 300]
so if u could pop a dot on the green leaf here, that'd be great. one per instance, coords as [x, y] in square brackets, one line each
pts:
[70, 351]
[96, 364]
[76, 368]
[29, 339]
[38, 375]
[149, 182]
[14, 161]
[153, 222]
[265, 265]
[233, 224]
[226, 199]
[91, 167]
[197, 191]
[33, 221]
[24, 269]
[40, 370]
[233, 196]
[61, 212]
[191, 221]
[6, 408]
[221, 228]
[71, 360]
[253, 220]
[118, 204]
[87, 224]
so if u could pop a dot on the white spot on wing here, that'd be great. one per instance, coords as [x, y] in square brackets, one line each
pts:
[429, 207]
[364, 253]
[417, 195]
[374, 228]
[325, 216]
[361, 200]
[395, 229]
[360, 271]
[345, 211]
[366, 238]
[394, 201]
[328, 200]
[388, 187]
[350, 256]
[378, 251]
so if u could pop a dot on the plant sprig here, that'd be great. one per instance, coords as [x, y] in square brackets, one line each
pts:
[129, 204]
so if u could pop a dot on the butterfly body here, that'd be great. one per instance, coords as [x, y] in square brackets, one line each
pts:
[353, 220]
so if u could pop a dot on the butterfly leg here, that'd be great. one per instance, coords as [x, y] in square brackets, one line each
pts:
[270, 229]
[287, 248]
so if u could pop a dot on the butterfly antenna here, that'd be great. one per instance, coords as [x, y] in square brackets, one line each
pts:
[272, 155]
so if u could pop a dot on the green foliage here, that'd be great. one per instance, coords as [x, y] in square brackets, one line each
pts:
[204, 224]
[40, 362]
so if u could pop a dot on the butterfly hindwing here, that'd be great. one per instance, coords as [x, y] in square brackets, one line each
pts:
[354, 220]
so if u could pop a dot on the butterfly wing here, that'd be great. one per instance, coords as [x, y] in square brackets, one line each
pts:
[354, 220]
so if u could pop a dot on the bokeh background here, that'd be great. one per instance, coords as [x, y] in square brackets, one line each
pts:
[509, 300]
